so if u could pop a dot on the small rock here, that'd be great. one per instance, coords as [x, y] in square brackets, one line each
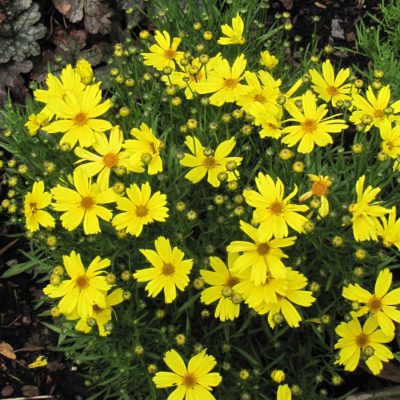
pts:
[30, 390]
[7, 391]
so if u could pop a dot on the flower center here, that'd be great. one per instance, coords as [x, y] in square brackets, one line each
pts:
[96, 308]
[33, 207]
[80, 119]
[231, 281]
[110, 160]
[141, 211]
[276, 208]
[362, 340]
[168, 269]
[260, 98]
[189, 380]
[374, 304]
[170, 54]
[379, 113]
[82, 282]
[319, 188]
[309, 125]
[209, 162]
[230, 83]
[332, 90]
[87, 202]
[263, 248]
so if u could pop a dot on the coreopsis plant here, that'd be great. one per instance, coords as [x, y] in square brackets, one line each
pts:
[208, 194]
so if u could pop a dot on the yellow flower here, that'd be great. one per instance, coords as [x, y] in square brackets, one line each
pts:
[365, 214]
[204, 161]
[268, 59]
[145, 144]
[262, 90]
[313, 128]
[284, 305]
[319, 188]
[261, 257]
[222, 288]
[139, 209]
[223, 81]
[69, 81]
[390, 229]
[354, 339]
[234, 34]
[85, 288]
[374, 107]
[284, 392]
[84, 69]
[101, 315]
[192, 382]
[163, 54]
[34, 203]
[108, 156]
[381, 304]
[83, 204]
[35, 122]
[390, 138]
[77, 116]
[331, 88]
[169, 270]
[274, 212]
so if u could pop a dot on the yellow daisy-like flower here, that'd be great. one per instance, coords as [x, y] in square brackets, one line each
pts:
[169, 270]
[284, 305]
[222, 288]
[224, 82]
[331, 88]
[140, 209]
[355, 339]
[374, 107]
[234, 34]
[268, 59]
[83, 204]
[261, 257]
[313, 128]
[382, 303]
[101, 315]
[34, 203]
[205, 161]
[390, 139]
[147, 147]
[284, 392]
[272, 211]
[77, 116]
[365, 214]
[84, 70]
[109, 156]
[69, 81]
[85, 289]
[164, 53]
[35, 122]
[262, 90]
[319, 188]
[192, 382]
[389, 231]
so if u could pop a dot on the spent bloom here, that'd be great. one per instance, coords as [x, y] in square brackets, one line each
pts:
[319, 188]
[382, 303]
[84, 289]
[356, 339]
[169, 270]
[192, 382]
[234, 34]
